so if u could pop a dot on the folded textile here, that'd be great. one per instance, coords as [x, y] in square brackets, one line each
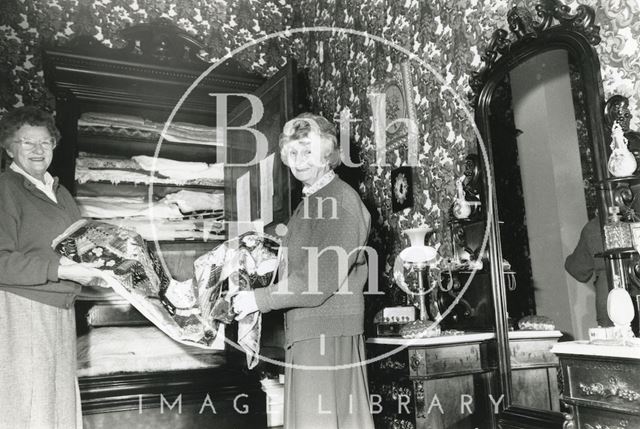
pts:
[140, 169]
[90, 161]
[113, 207]
[114, 119]
[180, 170]
[210, 178]
[124, 349]
[166, 229]
[116, 124]
[191, 201]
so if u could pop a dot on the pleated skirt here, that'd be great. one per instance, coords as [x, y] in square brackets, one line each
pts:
[327, 399]
[37, 365]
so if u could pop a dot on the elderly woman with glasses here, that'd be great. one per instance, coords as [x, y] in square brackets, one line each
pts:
[37, 288]
[322, 274]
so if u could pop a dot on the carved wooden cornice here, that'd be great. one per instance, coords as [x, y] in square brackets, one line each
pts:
[158, 41]
[551, 15]
[155, 66]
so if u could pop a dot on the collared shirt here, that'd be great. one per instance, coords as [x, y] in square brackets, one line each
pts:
[46, 187]
[319, 184]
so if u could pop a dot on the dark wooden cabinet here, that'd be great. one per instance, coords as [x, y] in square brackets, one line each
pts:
[450, 381]
[159, 76]
[601, 384]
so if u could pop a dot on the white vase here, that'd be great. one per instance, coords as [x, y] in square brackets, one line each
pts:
[621, 161]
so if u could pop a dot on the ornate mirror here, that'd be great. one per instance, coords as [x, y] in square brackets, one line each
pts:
[538, 104]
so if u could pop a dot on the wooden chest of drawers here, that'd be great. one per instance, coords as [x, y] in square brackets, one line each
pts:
[449, 382]
[601, 384]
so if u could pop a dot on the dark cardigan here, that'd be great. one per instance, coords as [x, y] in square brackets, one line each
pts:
[333, 216]
[29, 221]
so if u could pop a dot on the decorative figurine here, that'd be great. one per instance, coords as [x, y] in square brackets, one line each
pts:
[461, 207]
[621, 161]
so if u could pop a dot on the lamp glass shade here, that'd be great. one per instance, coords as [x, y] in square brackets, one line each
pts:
[416, 235]
[417, 253]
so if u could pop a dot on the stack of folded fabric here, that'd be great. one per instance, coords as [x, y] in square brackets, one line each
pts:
[127, 126]
[146, 170]
[184, 214]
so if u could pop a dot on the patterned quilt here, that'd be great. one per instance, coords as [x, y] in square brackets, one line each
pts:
[192, 312]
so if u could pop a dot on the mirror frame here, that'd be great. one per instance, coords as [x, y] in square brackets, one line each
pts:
[557, 29]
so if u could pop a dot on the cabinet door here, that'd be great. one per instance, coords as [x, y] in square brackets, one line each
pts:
[277, 98]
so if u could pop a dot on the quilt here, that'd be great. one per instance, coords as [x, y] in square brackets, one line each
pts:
[193, 312]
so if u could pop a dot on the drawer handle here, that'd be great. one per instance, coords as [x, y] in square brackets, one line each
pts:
[416, 361]
[615, 388]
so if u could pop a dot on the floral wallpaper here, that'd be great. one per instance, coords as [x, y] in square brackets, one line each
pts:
[448, 35]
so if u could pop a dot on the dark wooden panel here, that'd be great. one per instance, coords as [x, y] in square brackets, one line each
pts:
[453, 359]
[174, 399]
[531, 353]
[518, 417]
[543, 396]
[588, 418]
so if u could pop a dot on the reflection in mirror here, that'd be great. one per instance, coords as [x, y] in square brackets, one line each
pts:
[541, 169]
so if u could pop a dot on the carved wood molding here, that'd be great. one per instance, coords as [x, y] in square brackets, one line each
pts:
[552, 15]
[160, 40]
[613, 388]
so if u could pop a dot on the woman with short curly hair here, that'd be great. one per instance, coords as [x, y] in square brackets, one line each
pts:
[321, 282]
[37, 286]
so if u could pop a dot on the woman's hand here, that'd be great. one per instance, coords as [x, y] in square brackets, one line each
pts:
[243, 303]
[86, 276]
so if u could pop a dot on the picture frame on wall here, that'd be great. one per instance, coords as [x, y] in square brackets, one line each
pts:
[393, 109]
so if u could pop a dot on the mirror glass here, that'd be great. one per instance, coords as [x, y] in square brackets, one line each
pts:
[545, 195]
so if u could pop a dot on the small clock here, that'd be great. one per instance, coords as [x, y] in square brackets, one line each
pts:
[401, 188]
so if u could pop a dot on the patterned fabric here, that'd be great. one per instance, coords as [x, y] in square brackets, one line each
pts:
[245, 263]
[191, 312]
[124, 262]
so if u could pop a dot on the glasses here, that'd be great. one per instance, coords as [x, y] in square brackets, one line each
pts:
[31, 145]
